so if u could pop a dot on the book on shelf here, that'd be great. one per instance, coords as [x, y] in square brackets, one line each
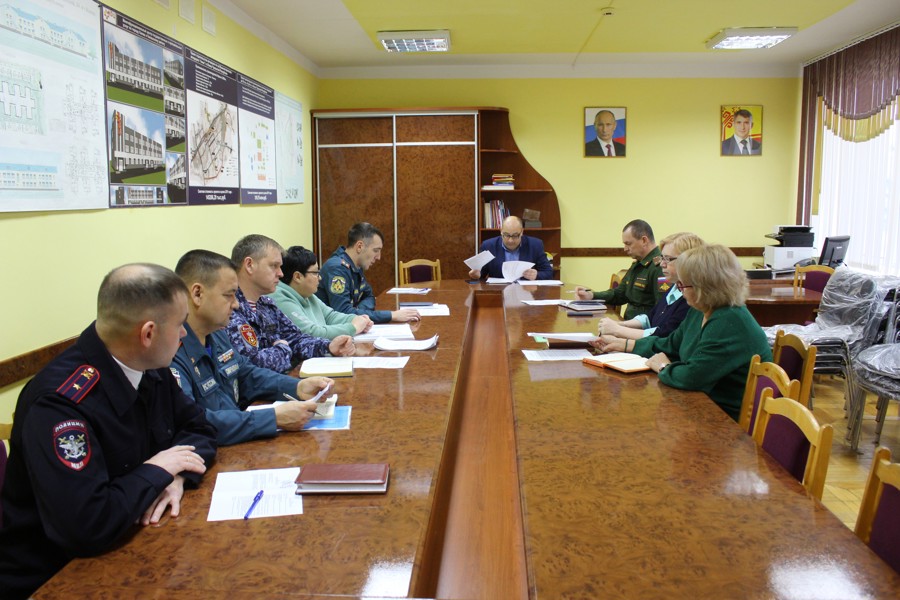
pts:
[620, 361]
[327, 366]
[496, 187]
[343, 478]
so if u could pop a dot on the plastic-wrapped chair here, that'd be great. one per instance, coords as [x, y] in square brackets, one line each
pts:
[851, 315]
[877, 370]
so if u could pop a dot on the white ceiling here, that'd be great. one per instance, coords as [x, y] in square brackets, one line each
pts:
[558, 38]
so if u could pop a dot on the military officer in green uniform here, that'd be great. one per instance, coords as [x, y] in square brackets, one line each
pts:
[640, 286]
[342, 281]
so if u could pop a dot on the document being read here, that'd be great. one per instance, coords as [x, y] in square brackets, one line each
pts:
[396, 331]
[479, 260]
[512, 271]
[234, 493]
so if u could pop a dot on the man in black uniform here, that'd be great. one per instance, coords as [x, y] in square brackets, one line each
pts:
[103, 437]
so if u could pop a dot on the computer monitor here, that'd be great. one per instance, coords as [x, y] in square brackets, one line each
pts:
[834, 250]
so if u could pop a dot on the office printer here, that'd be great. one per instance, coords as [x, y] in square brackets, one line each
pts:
[794, 245]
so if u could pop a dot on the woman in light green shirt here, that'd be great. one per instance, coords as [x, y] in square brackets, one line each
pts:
[296, 297]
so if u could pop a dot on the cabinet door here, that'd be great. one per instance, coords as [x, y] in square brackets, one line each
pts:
[436, 206]
[356, 183]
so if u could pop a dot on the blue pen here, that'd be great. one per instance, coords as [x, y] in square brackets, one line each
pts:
[256, 500]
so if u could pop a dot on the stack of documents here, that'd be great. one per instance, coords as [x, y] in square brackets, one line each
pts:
[397, 331]
[327, 366]
[546, 355]
[396, 345]
[408, 290]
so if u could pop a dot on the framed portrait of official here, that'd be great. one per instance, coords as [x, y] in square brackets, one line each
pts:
[740, 131]
[604, 132]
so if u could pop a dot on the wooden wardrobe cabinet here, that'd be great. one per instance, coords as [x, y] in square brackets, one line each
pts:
[417, 174]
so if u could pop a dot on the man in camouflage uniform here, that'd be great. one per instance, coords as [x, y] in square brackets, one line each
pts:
[639, 287]
[343, 285]
[258, 329]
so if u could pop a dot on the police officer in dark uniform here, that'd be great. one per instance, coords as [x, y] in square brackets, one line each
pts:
[342, 279]
[103, 437]
[639, 287]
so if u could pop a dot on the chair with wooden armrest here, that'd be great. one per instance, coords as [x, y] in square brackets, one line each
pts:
[614, 282]
[791, 435]
[812, 277]
[419, 270]
[761, 376]
[798, 360]
[878, 523]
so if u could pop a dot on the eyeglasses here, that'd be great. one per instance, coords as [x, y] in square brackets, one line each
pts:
[511, 236]
[658, 260]
[681, 286]
[316, 273]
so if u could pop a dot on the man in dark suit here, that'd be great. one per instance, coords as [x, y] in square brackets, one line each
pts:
[741, 143]
[513, 245]
[604, 145]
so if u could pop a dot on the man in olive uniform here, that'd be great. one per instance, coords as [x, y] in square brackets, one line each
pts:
[639, 288]
[342, 282]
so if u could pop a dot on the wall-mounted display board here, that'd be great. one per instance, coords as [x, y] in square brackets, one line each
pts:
[52, 140]
[98, 110]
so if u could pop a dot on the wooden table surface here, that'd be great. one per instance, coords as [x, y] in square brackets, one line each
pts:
[775, 304]
[627, 489]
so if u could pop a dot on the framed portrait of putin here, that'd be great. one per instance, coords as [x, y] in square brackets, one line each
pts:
[740, 132]
[604, 132]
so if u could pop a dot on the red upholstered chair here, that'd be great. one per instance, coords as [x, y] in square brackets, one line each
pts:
[789, 432]
[878, 524]
[763, 375]
[812, 277]
[419, 270]
[614, 282]
[798, 360]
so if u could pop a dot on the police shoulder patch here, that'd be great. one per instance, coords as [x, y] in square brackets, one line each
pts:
[70, 440]
[79, 383]
[338, 284]
[249, 335]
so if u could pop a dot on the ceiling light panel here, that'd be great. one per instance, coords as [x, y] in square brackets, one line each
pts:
[747, 38]
[437, 40]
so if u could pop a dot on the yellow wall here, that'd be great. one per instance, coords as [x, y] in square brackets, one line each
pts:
[54, 261]
[673, 175]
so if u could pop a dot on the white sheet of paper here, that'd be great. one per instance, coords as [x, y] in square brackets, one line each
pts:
[513, 269]
[380, 362]
[408, 290]
[389, 344]
[547, 355]
[546, 282]
[571, 337]
[388, 330]
[543, 302]
[235, 490]
[435, 310]
[479, 260]
[497, 280]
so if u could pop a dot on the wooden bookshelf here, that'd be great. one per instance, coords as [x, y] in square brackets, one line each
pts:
[498, 153]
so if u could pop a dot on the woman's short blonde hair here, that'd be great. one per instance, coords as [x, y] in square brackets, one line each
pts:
[716, 275]
[682, 241]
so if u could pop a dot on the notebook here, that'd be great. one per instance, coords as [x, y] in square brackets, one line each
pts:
[327, 366]
[620, 361]
[343, 479]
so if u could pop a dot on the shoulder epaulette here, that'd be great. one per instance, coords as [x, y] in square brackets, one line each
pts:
[79, 383]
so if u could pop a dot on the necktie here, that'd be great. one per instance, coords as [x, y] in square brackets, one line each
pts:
[608, 150]
[744, 147]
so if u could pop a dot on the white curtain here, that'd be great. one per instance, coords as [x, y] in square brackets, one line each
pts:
[860, 197]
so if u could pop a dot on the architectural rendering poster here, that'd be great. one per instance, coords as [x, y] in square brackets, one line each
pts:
[144, 113]
[212, 134]
[256, 126]
[52, 142]
[289, 141]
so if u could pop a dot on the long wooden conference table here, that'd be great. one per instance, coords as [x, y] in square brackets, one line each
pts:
[509, 479]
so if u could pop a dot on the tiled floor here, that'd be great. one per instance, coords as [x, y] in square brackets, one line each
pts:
[848, 470]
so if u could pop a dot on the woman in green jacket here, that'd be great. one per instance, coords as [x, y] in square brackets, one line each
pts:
[711, 349]
[296, 297]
